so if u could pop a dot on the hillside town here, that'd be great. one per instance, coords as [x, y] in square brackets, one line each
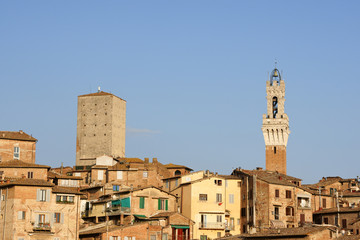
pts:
[107, 195]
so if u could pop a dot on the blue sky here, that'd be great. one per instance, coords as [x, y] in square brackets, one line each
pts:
[193, 74]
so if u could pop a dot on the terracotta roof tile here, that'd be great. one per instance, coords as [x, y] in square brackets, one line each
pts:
[273, 177]
[171, 165]
[27, 182]
[21, 164]
[62, 176]
[101, 93]
[16, 136]
[69, 190]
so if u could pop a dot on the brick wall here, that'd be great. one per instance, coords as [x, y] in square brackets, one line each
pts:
[276, 160]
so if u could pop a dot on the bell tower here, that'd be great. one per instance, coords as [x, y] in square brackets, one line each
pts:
[275, 125]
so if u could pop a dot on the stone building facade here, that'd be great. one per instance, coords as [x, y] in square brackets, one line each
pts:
[36, 209]
[101, 126]
[17, 146]
[275, 125]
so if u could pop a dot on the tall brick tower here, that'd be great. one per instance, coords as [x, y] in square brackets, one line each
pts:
[101, 127]
[275, 124]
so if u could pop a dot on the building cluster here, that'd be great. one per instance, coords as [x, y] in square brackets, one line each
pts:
[107, 195]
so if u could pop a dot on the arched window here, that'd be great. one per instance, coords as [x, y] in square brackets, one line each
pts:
[177, 173]
[275, 106]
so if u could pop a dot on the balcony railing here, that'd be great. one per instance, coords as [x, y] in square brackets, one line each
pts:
[42, 227]
[115, 210]
[212, 225]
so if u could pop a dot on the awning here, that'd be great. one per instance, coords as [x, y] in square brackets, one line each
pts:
[140, 216]
[180, 226]
[115, 202]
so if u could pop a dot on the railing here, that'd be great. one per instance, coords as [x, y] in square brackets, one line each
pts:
[115, 210]
[212, 225]
[42, 227]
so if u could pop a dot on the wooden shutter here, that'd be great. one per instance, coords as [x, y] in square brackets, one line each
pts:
[142, 202]
[48, 195]
[38, 195]
[166, 204]
[61, 218]
[36, 219]
[20, 214]
[159, 204]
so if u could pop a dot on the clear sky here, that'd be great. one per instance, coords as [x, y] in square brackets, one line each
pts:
[193, 74]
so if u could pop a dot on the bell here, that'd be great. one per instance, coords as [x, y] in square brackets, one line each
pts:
[276, 74]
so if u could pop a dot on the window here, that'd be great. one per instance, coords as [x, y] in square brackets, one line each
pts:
[218, 182]
[42, 195]
[274, 150]
[115, 187]
[77, 174]
[218, 218]
[30, 174]
[243, 212]
[101, 175]
[153, 237]
[238, 221]
[167, 184]
[231, 198]
[16, 152]
[218, 234]
[21, 215]
[288, 194]
[344, 223]
[176, 182]
[41, 218]
[289, 211]
[142, 203]
[218, 197]
[119, 174]
[276, 213]
[162, 204]
[302, 218]
[239, 184]
[326, 220]
[324, 202]
[145, 174]
[57, 217]
[65, 199]
[203, 197]
[277, 193]
[164, 236]
[203, 237]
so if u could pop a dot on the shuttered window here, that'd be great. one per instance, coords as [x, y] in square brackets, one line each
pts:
[142, 202]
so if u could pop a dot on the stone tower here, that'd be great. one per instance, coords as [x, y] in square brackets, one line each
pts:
[101, 127]
[275, 125]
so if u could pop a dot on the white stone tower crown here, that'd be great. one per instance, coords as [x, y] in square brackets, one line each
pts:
[276, 122]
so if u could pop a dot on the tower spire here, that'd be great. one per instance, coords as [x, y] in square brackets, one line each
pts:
[275, 125]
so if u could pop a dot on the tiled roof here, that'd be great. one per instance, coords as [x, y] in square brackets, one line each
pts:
[102, 229]
[282, 233]
[16, 136]
[163, 214]
[273, 177]
[325, 182]
[62, 176]
[171, 165]
[27, 182]
[69, 190]
[101, 93]
[350, 194]
[21, 164]
[335, 210]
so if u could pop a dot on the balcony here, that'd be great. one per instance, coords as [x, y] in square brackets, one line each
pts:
[212, 225]
[45, 227]
[116, 210]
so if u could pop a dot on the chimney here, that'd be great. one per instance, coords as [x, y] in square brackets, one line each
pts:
[155, 160]
[146, 160]
[61, 168]
[259, 168]
[21, 131]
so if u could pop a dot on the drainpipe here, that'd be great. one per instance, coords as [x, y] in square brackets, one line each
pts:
[254, 201]
[77, 217]
[5, 213]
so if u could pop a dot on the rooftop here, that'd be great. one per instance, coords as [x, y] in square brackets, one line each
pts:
[20, 135]
[21, 164]
[101, 93]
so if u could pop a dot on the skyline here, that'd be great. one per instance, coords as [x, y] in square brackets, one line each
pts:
[193, 75]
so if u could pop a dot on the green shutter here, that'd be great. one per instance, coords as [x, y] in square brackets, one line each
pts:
[166, 204]
[159, 204]
[142, 202]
